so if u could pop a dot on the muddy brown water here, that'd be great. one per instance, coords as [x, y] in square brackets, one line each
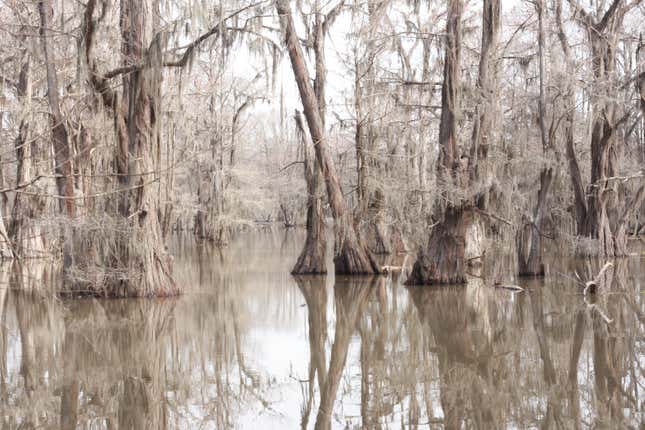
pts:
[249, 346]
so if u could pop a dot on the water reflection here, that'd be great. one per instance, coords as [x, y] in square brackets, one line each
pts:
[249, 346]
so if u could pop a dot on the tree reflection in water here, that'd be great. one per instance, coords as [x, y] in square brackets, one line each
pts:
[250, 346]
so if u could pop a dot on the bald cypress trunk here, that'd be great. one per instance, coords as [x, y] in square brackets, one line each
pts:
[141, 261]
[24, 229]
[351, 256]
[312, 257]
[442, 261]
[60, 141]
[529, 235]
[609, 204]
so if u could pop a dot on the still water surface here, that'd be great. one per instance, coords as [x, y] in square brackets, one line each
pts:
[251, 347]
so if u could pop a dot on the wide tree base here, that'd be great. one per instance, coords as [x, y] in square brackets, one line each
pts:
[354, 259]
[116, 259]
[529, 251]
[377, 239]
[443, 261]
[312, 259]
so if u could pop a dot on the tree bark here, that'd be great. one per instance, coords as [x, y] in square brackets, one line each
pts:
[443, 260]
[209, 223]
[487, 86]
[142, 257]
[450, 91]
[24, 229]
[608, 207]
[570, 108]
[62, 153]
[312, 257]
[529, 236]
[351, 257]
[371, 199]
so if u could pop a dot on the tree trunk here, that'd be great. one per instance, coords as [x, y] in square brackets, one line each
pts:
[144, 251]
[351, 257]
[208, 220]
[377, 237]
[141, 262]
[24, 230]
[312, 258]
[529, 236]
[371, 199]
[572, 160]
[640, 57]
[608, 208]
[487, 86]
[62, 156]
[443, 260]
[60, 141]
[450, 91]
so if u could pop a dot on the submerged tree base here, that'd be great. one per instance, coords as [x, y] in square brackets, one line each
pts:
[138, 264]
[352, 258]
[529, 251]
[312, 258]
[443, 261]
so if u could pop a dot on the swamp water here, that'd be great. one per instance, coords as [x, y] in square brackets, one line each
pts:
[249, 346]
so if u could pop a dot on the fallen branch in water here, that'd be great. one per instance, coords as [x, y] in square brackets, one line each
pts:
[515, 288]
[590, 286]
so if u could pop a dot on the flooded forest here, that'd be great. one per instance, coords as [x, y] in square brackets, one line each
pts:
[322, 214]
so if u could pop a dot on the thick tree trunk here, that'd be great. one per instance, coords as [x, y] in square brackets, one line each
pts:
[487, 85]
[443, 260]
[144, 253]
[141, 262]
[351, 257]
[450, 92]
[312, 258]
